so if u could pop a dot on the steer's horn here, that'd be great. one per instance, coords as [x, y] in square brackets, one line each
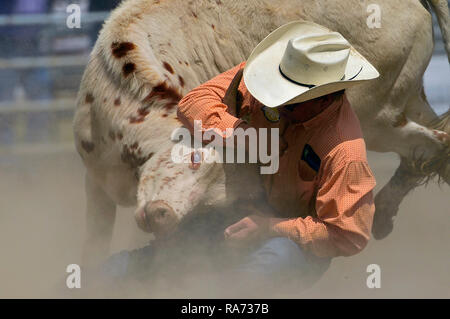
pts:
[233, 98]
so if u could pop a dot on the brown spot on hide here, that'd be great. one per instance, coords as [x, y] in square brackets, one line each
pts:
[128, 68]
[170, 106]
[165, 115]
[213, 26]
[194, 14]
[401, 120]
[119, 50]
[143, 111]
[130, 157]
[136, 119]
[89, 98]
[180, 78]
[87, 146]
[168, 67]
[117, 101]
[167, 180]
[164, 92]
[140, 117]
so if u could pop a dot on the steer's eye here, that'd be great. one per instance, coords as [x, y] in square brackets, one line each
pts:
[196, 159]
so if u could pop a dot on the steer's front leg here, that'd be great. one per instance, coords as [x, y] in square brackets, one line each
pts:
[388, 199]
[100, 217]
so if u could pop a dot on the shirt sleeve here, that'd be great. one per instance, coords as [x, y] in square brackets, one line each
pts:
[345, 210]
[204, 103]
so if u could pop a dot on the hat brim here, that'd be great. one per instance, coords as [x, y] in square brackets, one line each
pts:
[265, 82]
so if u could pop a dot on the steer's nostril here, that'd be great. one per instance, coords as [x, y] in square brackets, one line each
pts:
[159, 217]
[162, 213]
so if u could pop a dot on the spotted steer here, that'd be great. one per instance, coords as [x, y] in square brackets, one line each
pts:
[150, 53]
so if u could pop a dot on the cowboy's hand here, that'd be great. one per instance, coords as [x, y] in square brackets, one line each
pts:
[230, 98]
[248, 229]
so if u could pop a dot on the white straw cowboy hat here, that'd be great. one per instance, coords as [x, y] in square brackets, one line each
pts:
[301, 61]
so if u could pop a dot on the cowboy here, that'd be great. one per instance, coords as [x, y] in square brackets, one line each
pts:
[295, 79]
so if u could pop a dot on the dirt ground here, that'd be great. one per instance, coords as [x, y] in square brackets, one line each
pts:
[42, 225]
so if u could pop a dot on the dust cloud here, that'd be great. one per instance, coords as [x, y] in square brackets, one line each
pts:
[42, 213]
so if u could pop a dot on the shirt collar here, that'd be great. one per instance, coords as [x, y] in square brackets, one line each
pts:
[325, 115]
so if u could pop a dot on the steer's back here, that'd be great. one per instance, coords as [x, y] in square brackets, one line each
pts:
[148, 54]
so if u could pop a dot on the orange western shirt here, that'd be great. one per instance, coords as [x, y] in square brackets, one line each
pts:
[324, 183]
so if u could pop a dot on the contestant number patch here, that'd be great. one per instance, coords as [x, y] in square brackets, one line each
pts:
[311, 158]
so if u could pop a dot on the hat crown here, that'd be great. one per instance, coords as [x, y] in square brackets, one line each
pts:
[316, 59]
[301, 61]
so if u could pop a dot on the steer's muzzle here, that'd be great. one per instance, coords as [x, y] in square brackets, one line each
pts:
[157, 217]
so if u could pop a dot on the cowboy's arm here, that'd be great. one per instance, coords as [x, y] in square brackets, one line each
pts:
[345, 212]
[205, 103]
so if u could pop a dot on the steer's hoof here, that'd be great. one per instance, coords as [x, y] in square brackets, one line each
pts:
[382, 227]
[385, 212]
